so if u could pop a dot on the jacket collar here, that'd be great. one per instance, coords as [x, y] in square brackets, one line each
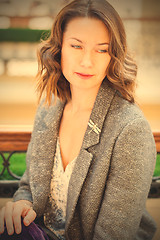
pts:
[99, 112]
[54, 115]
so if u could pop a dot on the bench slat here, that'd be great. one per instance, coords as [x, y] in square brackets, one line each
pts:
[18, 141]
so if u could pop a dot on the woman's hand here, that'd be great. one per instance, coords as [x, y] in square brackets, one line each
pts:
[12, 213]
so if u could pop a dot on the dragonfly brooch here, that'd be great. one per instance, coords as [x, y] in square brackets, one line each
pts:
[93, 127]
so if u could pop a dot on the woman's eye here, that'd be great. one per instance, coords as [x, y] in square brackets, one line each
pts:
[76, 46]
[102, 50]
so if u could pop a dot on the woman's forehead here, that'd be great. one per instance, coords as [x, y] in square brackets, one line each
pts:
[86, 28]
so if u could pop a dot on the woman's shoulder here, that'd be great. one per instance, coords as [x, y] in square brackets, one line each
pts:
[127, 121]
[120, 108]
[124, 114]
[126, 110]
[44, 112]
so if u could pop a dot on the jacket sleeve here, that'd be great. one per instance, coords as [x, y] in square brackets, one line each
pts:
[24, 192]
[131, 170]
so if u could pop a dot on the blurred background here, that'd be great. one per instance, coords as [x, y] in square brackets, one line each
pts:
[23, 22]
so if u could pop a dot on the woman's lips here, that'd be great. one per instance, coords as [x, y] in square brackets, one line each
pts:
[84, 76]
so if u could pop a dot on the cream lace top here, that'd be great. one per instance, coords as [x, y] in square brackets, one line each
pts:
[55, 211]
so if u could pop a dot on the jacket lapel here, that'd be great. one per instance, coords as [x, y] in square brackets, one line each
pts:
[43, 150]
[92, 137]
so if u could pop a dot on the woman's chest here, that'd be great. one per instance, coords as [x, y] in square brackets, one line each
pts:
[71, 136]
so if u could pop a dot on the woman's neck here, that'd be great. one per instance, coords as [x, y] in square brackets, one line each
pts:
[82, 99]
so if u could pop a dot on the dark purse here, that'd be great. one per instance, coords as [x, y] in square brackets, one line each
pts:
[35, 231]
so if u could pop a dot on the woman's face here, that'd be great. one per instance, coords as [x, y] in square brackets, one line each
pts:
[84, 54]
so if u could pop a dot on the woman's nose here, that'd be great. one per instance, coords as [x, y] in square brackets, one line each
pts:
[86, 59]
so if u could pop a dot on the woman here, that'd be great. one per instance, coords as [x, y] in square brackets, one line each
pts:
[92, 154]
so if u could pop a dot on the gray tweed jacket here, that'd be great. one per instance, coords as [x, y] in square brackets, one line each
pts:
[112, 175]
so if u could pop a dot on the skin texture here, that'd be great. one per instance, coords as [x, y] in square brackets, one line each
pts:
[85, 51]
[11, 215]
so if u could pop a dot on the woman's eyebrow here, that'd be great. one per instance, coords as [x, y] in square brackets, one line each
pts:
[99, 44]
[76, 39]
[103, 43]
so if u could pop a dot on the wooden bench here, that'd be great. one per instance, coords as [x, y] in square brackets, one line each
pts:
[17, 141]
[11, 141]
[14, 141]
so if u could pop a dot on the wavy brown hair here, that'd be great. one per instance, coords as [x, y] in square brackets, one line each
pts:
[122, 70]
